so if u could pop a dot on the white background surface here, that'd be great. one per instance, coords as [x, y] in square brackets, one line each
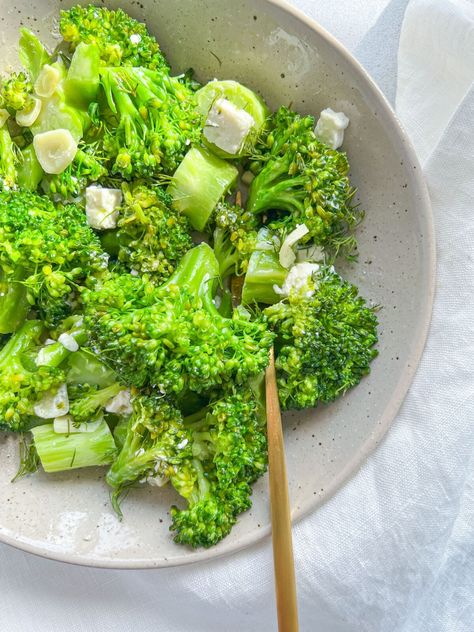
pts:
[394, 550]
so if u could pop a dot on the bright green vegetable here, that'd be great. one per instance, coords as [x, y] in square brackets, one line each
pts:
[87, 401]
[121, 40]
[325, 340]
[173, 337]
[15, 92]
[234, 238]
[14, 305]
[62, 452]
[82, 82]
[199, 184]
[151, 237]
[53, 247]
[83, 367]
[9, 160]
[22, 386]
[264, 271]
[33, 55]
[87, 167]
[241, 97]
[299, 180]
[30, 172]
[150, 121]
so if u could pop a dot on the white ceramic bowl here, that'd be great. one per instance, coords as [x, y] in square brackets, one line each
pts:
[288, 59]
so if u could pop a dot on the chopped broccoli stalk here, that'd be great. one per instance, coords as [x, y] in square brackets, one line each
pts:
[30, 172]
[84, 367]
[299, 180]
[14, 305]
[63, 452]
[56, 353]
[8, 160]
[33, 55]
[263, 274]
[121, 40]
[21, 387]
[325, 337]
[173, 337]
[243, 99]
[199, 184]
[82, 82]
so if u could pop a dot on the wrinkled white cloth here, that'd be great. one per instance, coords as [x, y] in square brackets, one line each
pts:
[394, 549]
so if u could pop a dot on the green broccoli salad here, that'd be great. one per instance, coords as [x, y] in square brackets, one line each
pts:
[157, 238]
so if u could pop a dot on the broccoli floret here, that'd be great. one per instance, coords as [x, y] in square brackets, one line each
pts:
[173, 337]
[299, 180]
[211, 458]
[229, 452]
[9, 160]
[156, 444]
[235, 238]
[325, 340]
[150, 121]
[88, 166]
[22, 383]
[122, 41]
[52, 246]
[151, 237]
[87, 401]
[15, 92]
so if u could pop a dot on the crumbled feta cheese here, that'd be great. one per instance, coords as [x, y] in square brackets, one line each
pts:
[120, 404]
[182, 444]
[54, 403]
[55, 150]
[297, 279]
[68, 342]
[102, 207]
[228, 126]
[287, 255]
[135, 38]
[330, 127]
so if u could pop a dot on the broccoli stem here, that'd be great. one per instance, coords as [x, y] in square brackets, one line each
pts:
[14, 305]
[8, 173]
[53, 355]
[86, 368]
[198, 271]
[82, 82]
[198, 185]
[20, 342]
[33, 55]
[263, 274]
[30, 172]
[62, 452]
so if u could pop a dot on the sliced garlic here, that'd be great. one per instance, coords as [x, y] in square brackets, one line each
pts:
[4, 116]
[54, 403]
[55, 150]
[26, 117]
[287, 255]
[47, 82]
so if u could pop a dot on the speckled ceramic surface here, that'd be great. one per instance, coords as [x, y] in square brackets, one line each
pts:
[288, 59]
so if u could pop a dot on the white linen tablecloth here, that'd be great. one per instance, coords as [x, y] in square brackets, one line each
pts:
[394, 549]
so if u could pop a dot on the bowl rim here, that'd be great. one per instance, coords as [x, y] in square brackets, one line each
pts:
[424, 210]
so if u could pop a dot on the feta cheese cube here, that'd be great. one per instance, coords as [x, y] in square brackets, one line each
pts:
[102, 207]
[297, 279]
[228, 126]
[120, 404]
[330, 127]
